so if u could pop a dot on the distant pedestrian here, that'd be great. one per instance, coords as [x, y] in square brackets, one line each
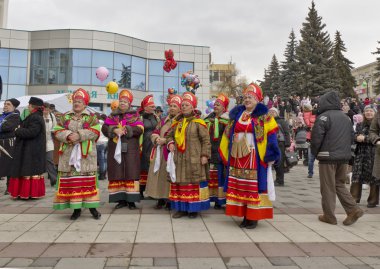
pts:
[50, 123]
[331, 144]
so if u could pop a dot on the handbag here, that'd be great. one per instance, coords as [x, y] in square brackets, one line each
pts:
[291, 158]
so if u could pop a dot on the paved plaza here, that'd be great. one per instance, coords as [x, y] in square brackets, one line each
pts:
[33, 235]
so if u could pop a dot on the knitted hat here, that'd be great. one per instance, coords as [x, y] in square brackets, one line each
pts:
[36, 101]
[370, 107]
[14, 102]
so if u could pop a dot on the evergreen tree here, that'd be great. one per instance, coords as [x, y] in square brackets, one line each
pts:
[343, 67]
[274, 74]
[376, 86]
[290, 72]
[314, 55]
[265, 83]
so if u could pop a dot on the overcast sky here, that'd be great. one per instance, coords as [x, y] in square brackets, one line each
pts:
[247, 31]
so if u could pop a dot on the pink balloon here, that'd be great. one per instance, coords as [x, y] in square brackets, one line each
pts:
[102, 73]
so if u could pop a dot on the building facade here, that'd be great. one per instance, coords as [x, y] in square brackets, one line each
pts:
[3, 13]
[59, 61]
[365, 79]
[221, 74]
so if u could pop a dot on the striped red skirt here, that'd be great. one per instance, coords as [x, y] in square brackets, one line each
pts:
[27, 187]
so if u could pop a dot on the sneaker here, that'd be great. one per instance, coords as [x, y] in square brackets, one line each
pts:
[322, 218]
[353, 216]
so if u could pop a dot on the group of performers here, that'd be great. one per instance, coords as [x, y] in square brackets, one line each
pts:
[181, 160]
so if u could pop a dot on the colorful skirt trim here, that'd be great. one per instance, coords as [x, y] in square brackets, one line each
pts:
[76, 191]
[189, 197]
[27, 187]
[124, 190]
[243, 199]
[216, 184]
[143, 178]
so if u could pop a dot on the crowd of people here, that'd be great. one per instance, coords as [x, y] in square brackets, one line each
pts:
[186, 161]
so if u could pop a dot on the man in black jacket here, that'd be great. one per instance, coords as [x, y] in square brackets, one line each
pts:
[331, 144]
[283, 138]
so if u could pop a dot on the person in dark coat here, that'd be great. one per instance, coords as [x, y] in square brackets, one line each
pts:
[9, 121]
[150, 120]
[364, 160]
[123, 174]
[331, 144]
[283, 138]
[29, 161]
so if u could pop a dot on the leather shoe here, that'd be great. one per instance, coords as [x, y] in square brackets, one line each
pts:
[322, 218]
[217, 206]
[179, 214]
[353, 216]
[243, 223]
[193, 215]
[132, 206]
[95, 213]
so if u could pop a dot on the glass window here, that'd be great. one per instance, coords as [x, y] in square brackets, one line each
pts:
[171, 82]
[4, 74]
[15, 91]
[4, 94]
[138, 65]
[17, 75]
[121, 61]
[18, 58]
[4, 57]
[183, 67]
[159, 100]
[156, 67]
[81, 57]
[96, 81]
[38, 76]
[172, 73]
[138, 82]
[81, 75]
[102, 58]
[123, 78]
[64, 68]
[156, 83]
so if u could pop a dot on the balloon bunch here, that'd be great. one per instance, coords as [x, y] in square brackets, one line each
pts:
[170, 63]
[210, 106]
[102, 73]
[190, 81]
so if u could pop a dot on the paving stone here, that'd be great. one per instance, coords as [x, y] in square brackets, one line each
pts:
[117, 262]
[322, 249]
[20, 262]
[359, 266]
[349, 261]
[201, 263]
[281, 261]
[153, 250]
[4, 261]
[280, 250]
[239, 250]
[259, 262]
[152, 267]
[370, 260]
[24, 250]
[235, 262]
[142, 261]
[318, 262]
[193, 250]
[110, 250]
[81, 263]
[165, 262]
[361, 249]
[45, 262]
[67, 250]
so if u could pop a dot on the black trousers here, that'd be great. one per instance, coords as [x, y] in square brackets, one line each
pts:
[279, 167]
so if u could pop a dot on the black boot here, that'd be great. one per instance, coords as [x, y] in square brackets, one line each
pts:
[243, 223]
[101, 176]
[76, 214]
[142, 195]
[251, 224]
[122, 203]
[168, 205]
[160, 204]
[132, 205]
[193, 215]
[95, 213]
[217, 206]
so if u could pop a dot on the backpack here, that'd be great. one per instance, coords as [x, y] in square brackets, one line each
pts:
[301, 136]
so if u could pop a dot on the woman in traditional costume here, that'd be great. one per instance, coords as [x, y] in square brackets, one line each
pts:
[190, 142]
[158, 178]
[77, 131]
[248, 146]
[29, 160]
[216, 123]
[123, 126]
[150, 121]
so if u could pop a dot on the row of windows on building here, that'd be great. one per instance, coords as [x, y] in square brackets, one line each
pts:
[78, 67]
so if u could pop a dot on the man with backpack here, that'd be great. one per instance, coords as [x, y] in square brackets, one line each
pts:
[283, 138]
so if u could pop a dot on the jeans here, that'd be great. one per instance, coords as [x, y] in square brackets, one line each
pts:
[101, 150]
[311, 159]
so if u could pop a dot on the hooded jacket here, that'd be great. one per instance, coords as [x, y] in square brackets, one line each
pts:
[331, 136]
